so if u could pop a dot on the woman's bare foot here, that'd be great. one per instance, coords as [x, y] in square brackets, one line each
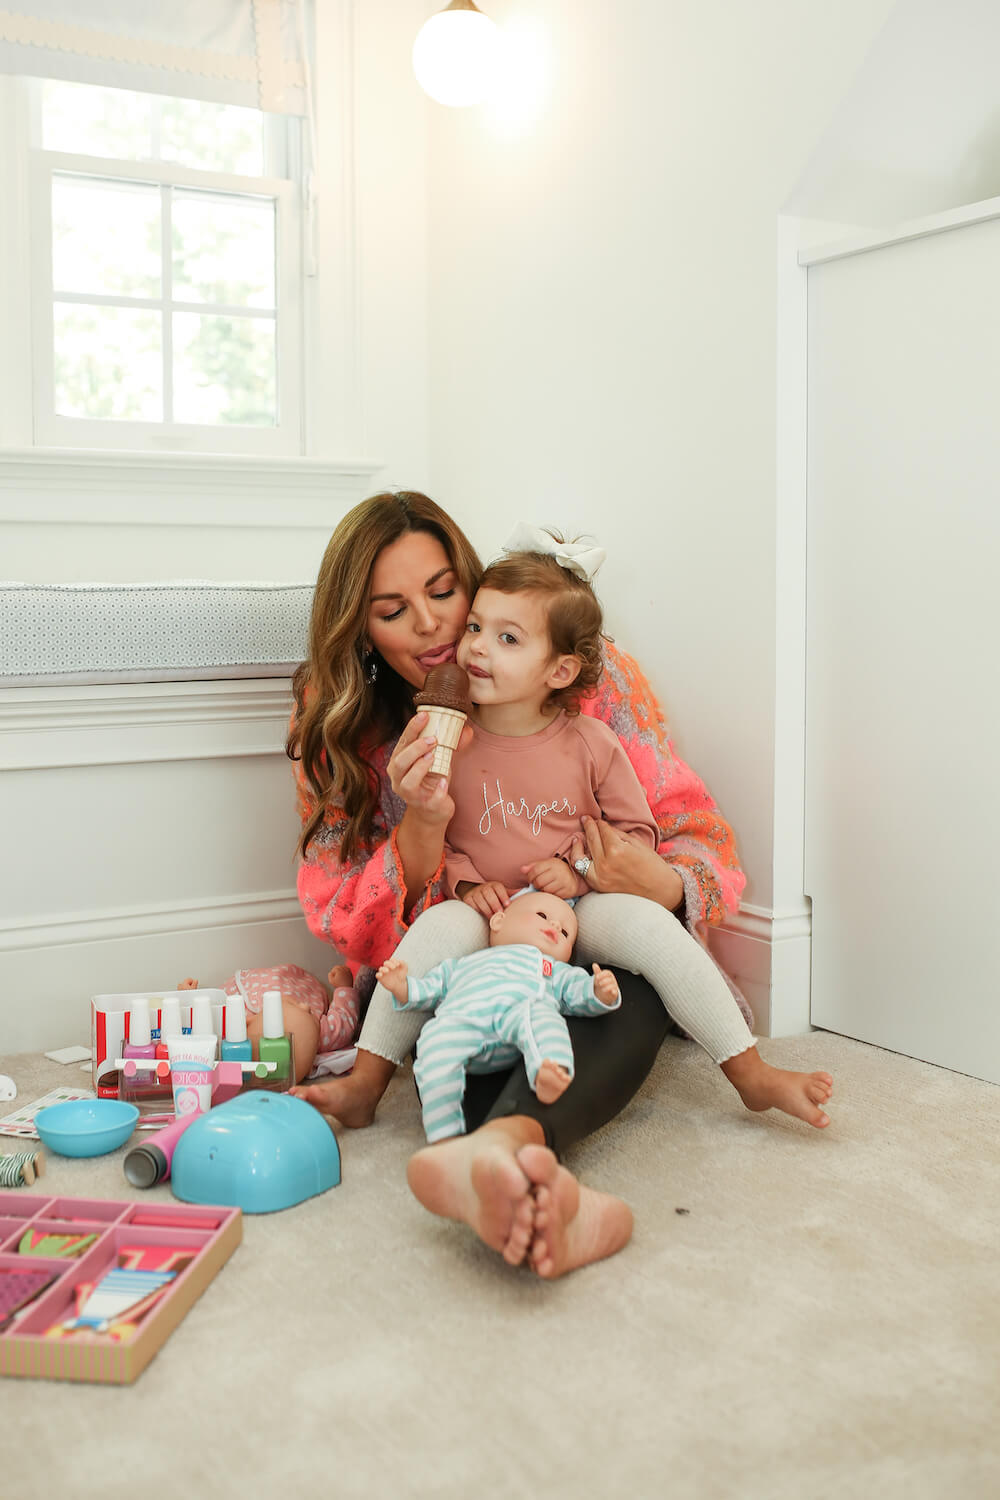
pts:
[476, 1179]
[353, 1098]
[762, 1087]
[550, 1081]
[574, 1225]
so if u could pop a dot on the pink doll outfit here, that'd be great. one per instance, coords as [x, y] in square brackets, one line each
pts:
[338, 1018]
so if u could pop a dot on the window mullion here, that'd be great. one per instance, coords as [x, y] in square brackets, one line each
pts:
[166, 293]
[155, 128]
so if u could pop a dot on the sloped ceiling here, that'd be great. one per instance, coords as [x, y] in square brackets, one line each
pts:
[919, 130]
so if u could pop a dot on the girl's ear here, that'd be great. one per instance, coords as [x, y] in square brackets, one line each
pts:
[565, 670]
[495, 920]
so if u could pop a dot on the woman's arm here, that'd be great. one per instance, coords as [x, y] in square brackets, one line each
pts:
[363, 907]
[702, 872]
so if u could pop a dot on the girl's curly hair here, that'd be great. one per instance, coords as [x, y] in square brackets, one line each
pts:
[574, 614]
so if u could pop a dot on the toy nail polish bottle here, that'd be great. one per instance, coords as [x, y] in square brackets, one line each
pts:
[274, 1045]
[170, 1023]
[140, 1035]
[235, 1046]
[202, 1019]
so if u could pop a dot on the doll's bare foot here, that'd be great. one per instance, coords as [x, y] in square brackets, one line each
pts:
[550, 1082]
[187, 984]
[477, 1180]
[574, 1225]
[352, 1099]
[762, 1087]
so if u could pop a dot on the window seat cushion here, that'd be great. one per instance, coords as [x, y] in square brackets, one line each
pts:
[168, 631]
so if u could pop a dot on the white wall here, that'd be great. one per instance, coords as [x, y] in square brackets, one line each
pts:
[603, 314]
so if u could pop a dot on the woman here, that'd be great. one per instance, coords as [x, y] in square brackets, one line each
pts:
[391, 601]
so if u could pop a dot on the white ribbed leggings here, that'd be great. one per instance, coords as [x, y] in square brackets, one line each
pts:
[615, 930]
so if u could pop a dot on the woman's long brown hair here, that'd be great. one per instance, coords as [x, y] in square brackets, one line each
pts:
[339, 712]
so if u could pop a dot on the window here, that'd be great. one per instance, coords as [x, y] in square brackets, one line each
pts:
[166, 272]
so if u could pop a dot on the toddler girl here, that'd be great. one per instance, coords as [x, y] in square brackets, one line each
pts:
[536, 767]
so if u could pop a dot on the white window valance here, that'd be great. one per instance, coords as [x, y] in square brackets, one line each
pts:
[247, 52]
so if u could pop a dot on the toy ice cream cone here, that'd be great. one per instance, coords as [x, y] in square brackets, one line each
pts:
[444, 697]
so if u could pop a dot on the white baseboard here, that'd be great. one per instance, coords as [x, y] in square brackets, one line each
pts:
[46, 984]
[768, 955]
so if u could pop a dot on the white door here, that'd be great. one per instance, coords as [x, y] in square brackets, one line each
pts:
[903, 647]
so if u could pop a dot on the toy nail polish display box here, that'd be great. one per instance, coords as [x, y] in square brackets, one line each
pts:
[111, 1026]
[91, 1288]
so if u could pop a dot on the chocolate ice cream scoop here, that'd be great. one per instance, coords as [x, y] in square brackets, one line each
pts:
[446, 686]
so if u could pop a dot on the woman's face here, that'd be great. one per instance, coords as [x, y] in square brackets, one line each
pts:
[417, 608]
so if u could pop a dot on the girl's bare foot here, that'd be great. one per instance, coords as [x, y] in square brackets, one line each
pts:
[574, 1225]
[354, 1098]
[762, 1087]
[476, 1179]
[550, 1081]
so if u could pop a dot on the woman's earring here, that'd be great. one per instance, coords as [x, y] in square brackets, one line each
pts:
[369, 665]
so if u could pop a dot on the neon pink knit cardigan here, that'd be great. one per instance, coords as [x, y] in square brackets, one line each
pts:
[358, 908]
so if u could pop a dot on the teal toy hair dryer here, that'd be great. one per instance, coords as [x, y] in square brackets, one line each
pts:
[258, 1152]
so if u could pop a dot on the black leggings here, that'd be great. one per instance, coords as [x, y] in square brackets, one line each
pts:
[613, 1055]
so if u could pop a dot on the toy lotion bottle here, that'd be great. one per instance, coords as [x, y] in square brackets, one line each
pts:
[140, 1034]
[235, 1047]
[170, 1023]
[274, 1045]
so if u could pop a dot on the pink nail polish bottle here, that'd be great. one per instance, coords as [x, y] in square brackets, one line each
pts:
[140, 1033]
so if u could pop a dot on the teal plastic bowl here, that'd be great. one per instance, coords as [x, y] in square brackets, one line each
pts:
[259, 1152]
[86, 1127]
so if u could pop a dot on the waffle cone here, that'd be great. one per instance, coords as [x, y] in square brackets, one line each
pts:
[446, 725]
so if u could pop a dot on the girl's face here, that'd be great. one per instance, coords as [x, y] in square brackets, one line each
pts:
[417, 607]
[507, 652]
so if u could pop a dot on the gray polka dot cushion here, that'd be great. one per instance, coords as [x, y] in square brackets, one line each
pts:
[150, 632]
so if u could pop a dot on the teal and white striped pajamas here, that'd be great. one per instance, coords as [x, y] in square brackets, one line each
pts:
[492, 1008]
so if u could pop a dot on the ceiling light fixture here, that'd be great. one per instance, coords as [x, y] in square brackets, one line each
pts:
[456, 55]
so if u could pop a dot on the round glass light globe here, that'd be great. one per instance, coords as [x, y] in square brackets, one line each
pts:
[455, 57]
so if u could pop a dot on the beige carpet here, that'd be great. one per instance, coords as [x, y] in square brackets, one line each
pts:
[824, 1320]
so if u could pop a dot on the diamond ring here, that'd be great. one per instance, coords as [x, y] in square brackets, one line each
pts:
[581, 866]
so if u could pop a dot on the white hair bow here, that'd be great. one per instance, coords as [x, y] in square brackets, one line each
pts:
[578, 558]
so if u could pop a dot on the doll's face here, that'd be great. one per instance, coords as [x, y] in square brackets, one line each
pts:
[545, 922]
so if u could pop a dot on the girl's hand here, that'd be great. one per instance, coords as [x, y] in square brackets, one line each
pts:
[555, 877]
[620, 862]
[490, 897]
[409, 768]
[605, 986]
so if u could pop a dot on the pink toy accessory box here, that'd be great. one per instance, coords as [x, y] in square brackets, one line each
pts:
[90, 1288]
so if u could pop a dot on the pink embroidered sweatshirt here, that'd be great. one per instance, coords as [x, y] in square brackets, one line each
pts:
[522, 799]
[358, 907]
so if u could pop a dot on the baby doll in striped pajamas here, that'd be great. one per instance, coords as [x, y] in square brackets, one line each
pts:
[504, 1002]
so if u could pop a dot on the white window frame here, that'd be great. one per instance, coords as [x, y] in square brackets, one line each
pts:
[50, 430]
